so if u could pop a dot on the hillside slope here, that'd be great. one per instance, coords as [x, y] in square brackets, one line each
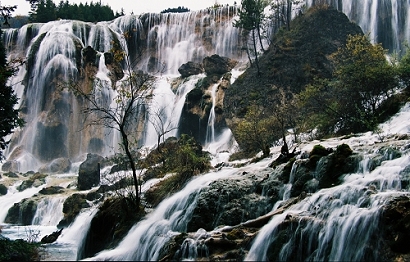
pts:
[293, 60]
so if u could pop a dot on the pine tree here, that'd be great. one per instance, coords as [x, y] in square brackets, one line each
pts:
[9, 116]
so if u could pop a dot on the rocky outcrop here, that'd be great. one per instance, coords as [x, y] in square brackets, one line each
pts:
[232, 201]
[293, 60]
[218, 65]
[89, 172]
[22, 213]
[395, 226]
[52, 237]
[71, 208]
[190, 68]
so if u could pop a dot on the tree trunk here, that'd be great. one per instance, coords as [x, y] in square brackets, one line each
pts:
[125, 142]
[256, 51]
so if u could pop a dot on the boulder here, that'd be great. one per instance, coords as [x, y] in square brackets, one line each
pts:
[218, 65]
[52, 237]
[71, 208]
[89, 172]
[395, 222]
[3, 190]
[190, 68]
[22, 213]
[51, 190]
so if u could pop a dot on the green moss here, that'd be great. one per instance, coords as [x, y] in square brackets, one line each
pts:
[72, 207]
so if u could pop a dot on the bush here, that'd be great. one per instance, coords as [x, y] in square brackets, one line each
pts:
[18, 250]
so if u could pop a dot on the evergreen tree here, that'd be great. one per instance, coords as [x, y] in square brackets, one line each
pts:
[251, 17]
[9, 116]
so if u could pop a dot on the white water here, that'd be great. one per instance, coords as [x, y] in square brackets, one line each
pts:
[387, 21]
[166, 108]
[49, 211]
[14, 196]
[339, 222]
[145, 239]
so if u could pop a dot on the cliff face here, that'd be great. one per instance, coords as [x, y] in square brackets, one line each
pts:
[293, 60]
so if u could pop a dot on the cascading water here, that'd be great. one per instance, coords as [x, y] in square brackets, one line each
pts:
[145, 240]
[338, 223]
[49, 211]
[55, 123]
[386, 21]
[210, 131]
[54, 49]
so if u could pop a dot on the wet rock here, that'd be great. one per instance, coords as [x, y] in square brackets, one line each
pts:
[396, 224]
[22, 213]
[218, 65]
[89, 172]
[59, 165]
[11, 175]
[232, 201]
[34, 180]
[72, 207]
[90, 56]
[3, 190]
[52, 237]
[190, 68]
[51, 190]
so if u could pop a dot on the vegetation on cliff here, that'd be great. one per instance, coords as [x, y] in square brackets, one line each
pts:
[323, 74]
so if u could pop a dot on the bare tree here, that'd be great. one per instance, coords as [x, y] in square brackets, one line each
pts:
[131, 95]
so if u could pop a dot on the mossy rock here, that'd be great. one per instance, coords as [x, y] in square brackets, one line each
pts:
[112, 222]
[35, 180]
[72, 207]
[317, 153]
[22, 213]
[51, 190]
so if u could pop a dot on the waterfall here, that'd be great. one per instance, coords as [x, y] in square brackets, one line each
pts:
[155, 43]
[145, 240]
[210, 131]
[165, 109]
[14, 196]
[338, 223]
[49, 211]
[387, 21]
[69, 246]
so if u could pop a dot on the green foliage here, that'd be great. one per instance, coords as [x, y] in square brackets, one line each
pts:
[349, 102]
[18, 250]
[256, 131]
[176, 10]
[9, 116]
[404, 68]
[250, 15]
[183, 157]
[46, 10]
